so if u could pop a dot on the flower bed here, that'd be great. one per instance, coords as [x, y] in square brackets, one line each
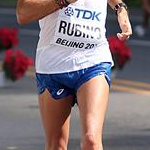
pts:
[8, 38]
[121, 52]
[15, 63]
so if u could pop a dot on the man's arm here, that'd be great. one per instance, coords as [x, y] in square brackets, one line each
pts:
[123, 20]
[31, 10]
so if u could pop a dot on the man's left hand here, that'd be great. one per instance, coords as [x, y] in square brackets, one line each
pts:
[124, 24]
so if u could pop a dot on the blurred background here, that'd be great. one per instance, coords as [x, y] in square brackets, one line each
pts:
[127, 124]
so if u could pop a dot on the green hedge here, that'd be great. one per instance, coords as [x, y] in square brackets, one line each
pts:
[133, 3]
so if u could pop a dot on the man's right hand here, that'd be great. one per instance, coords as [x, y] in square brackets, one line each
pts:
[25, 13]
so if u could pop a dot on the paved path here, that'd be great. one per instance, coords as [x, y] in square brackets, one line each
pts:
[126, 125]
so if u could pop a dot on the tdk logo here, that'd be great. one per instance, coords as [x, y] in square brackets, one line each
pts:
[83, 14]
[69, 11]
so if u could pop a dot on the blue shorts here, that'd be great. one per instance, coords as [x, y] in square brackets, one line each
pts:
[64, 84]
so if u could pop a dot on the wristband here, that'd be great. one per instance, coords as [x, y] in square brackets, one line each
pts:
[65, 3]
[58, 2]
[120, 5]
[62, 3]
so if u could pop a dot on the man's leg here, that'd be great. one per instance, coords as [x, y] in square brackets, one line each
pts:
[55, 117]
[92, 101]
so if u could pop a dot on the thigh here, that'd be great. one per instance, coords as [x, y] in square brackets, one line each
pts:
[92, 99]
[55, 116]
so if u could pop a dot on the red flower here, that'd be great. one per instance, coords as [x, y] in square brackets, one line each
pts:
[121, 52]
[16, 63]
[8, 38]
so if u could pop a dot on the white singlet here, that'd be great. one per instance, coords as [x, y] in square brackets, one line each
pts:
[73, 38]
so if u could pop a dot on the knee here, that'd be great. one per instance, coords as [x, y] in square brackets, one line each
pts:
[56, 144]
[91, 142]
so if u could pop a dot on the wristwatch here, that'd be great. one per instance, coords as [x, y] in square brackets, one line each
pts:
[120, 5]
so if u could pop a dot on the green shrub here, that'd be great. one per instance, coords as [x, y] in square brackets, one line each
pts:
[133, 3]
